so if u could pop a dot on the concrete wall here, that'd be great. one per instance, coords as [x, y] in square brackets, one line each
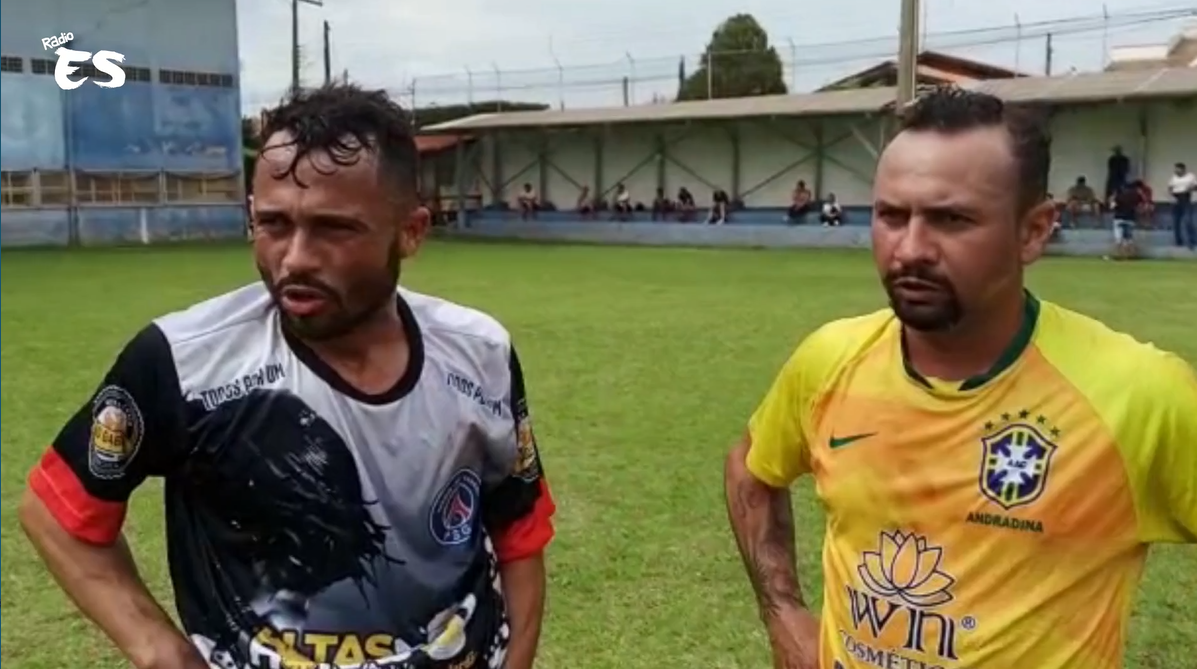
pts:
[775, 154]
[1153, 243]
[189, 130]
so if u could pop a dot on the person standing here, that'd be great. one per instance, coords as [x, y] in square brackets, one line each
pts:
[1182, 185]
[1118, 169]
[351, 475]
[990, 493]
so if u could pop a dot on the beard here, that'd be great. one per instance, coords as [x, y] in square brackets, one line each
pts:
[933, 307]
[347, 309]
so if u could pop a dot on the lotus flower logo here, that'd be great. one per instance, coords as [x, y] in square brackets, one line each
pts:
[906, 567]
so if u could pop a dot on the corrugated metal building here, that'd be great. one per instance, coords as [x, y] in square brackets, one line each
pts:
[158, 158]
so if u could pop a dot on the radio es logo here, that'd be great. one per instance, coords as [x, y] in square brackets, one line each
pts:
[103, 61]
[894, 614]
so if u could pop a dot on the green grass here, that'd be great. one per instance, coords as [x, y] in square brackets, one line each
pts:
[643, 365]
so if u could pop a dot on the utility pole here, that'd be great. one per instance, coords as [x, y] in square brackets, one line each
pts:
[295, 45]
[1048, 54]
[908, 52]
[295, 39]
[327, 56]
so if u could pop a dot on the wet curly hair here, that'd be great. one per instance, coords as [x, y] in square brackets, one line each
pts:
[343, 120]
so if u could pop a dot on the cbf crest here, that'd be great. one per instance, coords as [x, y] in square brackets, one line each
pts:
[1016, 460]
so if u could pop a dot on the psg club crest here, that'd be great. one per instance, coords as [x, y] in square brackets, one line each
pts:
[1015, 465]
[452, 517]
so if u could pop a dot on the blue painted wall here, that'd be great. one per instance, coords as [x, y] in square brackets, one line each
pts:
[140, 126]
[31, 122]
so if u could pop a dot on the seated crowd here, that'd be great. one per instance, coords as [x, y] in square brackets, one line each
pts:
[682, 208]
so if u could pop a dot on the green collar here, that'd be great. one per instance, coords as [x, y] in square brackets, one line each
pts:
[1021, 340]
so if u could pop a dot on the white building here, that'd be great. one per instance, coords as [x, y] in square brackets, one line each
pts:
[1180, 51]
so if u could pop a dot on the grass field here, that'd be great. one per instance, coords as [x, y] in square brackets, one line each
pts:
[643, 365]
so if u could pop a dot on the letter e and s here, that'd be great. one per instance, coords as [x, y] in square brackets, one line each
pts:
[103, 60]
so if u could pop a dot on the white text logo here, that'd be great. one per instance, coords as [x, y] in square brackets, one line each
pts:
[104, 61]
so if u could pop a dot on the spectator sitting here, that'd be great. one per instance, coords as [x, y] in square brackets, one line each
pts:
[719, 207]
[832, 214]
[623, 203]
[685, 205]
[662, 206]
[528, 202]
[1082, 200]
[800, 202]
[585, 204]
[1146, 213]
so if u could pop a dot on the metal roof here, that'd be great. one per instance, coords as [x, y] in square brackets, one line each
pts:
[1061, 90]
[858, 101]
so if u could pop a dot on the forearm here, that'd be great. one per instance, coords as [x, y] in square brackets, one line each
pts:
[763, 523]
[524, 592]
[104, 584]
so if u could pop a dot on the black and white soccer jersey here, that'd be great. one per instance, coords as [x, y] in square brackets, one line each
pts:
[310, 524]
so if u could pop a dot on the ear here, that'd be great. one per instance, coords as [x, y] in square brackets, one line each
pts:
[1035, 231]
[412, 232]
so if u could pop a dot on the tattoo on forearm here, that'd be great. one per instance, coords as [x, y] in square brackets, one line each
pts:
[766, 541]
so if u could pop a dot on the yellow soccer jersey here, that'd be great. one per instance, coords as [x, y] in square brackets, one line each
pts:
[998, 523]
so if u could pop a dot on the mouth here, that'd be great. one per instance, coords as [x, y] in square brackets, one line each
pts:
[301, 301]
[916, 290]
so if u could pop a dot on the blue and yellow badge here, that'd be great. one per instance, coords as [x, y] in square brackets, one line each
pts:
[1016, 461]
[117, 428]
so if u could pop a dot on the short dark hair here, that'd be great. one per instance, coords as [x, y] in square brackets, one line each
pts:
[343, 119]
[950, 109]
[1181, 166]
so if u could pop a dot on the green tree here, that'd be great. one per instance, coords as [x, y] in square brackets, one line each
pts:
[741, 64]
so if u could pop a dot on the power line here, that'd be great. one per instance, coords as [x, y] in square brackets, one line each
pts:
[612, 73]
[1082, 23]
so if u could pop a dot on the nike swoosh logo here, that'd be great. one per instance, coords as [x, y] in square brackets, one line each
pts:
[840, 442]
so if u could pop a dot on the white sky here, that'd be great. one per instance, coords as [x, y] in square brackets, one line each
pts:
[391, 43]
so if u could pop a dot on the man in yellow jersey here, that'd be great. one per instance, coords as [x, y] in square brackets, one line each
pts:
[993, 466]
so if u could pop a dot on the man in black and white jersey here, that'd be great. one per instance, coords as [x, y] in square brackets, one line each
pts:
[351, 478]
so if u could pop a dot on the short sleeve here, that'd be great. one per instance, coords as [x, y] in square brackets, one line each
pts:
[518, 509]
[1168, 500]
[126, 431]
[780, 450]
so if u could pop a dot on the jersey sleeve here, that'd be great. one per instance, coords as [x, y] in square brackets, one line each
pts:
[779, 428]
[125, 432]
[518, 508]
[1168, 495]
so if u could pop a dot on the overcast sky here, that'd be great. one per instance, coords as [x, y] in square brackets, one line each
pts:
[393, 43]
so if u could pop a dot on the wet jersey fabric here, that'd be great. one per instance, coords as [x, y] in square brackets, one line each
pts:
[309, 524]
[1000, 522]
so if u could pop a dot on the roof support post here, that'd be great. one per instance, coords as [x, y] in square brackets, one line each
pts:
[1144, 143]
[459, 179]
[600, 140]
[659, 143]
[820, 158]
[496, 169]
[733, 136]
[542, 163]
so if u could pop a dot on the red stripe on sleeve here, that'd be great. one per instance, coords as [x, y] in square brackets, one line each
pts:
[529, 535]
[85, 517]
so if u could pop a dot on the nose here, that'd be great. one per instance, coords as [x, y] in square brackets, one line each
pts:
[917, 243]
[302, 254]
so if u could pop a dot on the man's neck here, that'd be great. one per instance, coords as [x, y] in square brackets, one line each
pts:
[969, 350]
[373, 357]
